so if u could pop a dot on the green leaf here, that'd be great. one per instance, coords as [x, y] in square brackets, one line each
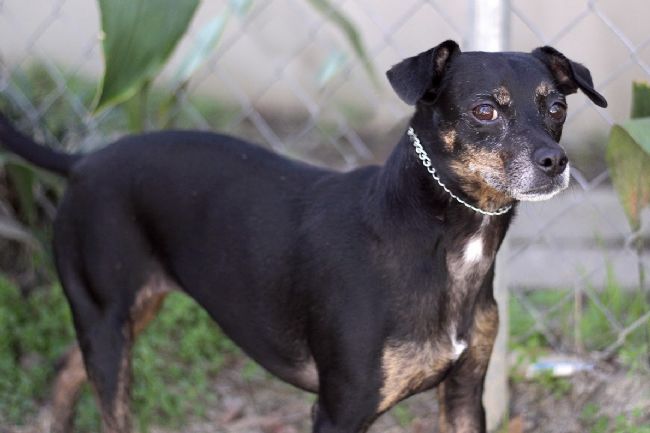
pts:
[629, 167]
[139, 36]
[639, 130]
[337, 17]
[640, 100]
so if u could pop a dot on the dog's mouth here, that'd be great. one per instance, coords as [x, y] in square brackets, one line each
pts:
[521, 181]
[548, 188]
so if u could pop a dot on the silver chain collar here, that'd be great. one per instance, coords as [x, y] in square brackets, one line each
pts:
[426, 161]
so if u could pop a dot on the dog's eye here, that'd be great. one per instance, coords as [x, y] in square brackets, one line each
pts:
[485, 112]
[557, 112]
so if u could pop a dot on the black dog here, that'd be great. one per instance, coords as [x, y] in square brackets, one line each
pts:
[364, 287]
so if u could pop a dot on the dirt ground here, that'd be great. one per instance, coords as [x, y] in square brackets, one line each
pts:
[587, 402]
[583, 403]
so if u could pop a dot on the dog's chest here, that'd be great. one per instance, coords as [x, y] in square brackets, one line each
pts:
[470, 255]
[411, 366]
[469, 258]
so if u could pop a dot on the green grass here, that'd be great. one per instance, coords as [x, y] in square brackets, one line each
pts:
[34, 332]
[588, 320]
[595, 422]
[174, 359]
[403, 414]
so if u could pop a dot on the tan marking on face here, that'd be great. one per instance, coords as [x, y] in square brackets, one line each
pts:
[407, 366]
[481, 174]
[449, 139]
[543, 89]
[502, 96]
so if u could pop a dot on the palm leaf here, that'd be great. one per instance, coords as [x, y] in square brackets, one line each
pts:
[139, 37]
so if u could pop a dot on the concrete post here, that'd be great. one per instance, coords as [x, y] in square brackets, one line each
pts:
[490, 25]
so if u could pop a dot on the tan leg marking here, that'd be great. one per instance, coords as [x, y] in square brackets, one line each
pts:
[146, 305]
[406, 367]
[65, 392]
[118, 419]
[486, 326]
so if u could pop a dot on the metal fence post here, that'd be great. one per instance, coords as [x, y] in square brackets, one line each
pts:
[489, 31]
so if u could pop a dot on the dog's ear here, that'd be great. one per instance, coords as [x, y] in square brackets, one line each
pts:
[412, 78]
[569, 75]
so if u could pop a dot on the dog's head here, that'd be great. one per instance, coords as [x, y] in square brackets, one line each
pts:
[493, 120]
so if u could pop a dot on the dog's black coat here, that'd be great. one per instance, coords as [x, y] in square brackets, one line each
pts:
[356, 276]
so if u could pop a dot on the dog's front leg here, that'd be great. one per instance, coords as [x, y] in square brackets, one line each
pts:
[347, 397]
[460, 394]
[347, 409]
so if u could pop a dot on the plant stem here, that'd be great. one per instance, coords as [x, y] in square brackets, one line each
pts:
[137, 109]
[645, 295]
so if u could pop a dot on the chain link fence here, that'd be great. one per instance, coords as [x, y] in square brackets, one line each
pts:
[582, 245]
[283, 76]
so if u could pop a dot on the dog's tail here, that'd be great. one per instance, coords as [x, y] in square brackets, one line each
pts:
[41, 156]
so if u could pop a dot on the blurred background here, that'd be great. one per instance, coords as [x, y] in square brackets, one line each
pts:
[306, 79]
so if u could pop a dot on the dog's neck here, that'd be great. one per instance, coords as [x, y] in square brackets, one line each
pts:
[407, 195]
[405, 191]
[439, 228]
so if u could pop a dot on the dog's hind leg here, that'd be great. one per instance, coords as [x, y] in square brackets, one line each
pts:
[114, 289]
[107, 354]
[73, 375]
[113, 381]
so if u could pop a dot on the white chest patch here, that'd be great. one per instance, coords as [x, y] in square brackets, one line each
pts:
[458, 347]
[473, 250]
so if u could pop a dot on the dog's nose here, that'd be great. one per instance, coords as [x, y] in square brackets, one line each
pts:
[552, 160]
